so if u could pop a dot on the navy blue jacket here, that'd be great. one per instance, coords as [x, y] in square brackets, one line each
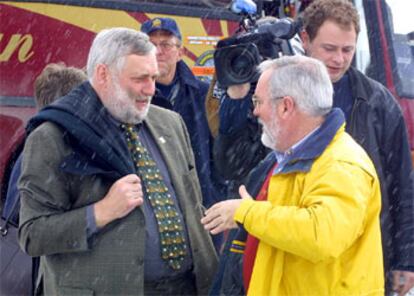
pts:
[229, 277]
[238, 148]
[190, 104]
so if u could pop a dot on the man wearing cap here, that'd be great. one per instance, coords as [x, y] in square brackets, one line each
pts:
[179, 90]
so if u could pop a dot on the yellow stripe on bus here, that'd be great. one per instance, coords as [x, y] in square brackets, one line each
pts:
[91, 19]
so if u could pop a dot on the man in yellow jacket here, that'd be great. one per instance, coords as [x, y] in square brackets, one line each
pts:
[313, 227]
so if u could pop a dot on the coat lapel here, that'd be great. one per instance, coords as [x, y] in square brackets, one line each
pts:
[162, 137]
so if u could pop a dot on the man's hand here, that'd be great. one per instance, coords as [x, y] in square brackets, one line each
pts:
[239, 91]
[403, 281]
[123, 196]
[220, 217]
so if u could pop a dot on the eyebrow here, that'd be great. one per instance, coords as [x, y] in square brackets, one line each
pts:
[143, 75]
[337, 46]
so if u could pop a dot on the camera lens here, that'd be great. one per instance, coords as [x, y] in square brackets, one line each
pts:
[236, 64]
[239, 64]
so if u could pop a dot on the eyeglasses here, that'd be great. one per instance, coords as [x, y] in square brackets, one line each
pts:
[257, 103]
[165, 46]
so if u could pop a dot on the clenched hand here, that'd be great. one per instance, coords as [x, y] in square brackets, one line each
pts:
[123, 196]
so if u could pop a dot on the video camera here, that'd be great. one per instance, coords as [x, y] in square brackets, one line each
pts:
[236, 58]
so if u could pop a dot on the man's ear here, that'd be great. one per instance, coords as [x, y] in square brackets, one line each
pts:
[180, 48]
[102, 74]
[180, 52]
[286, 107]
[304, 36]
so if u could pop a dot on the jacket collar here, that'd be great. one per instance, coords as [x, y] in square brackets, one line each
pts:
[359, 90]
[186, 76]
[304, 155]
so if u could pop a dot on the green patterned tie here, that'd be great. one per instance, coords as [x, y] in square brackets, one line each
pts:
[170, 226]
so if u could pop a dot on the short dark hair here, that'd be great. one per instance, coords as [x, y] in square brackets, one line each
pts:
[341, 12]
[55, 81]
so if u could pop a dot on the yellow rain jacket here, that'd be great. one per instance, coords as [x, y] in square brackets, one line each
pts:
[319, 229]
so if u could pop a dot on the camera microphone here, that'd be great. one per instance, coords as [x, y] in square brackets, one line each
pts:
[282, 28]
[243, 7]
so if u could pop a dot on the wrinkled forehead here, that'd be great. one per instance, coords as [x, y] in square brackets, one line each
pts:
[140, 64]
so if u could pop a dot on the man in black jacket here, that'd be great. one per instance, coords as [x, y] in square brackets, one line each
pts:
[373, 118]
[375, 121]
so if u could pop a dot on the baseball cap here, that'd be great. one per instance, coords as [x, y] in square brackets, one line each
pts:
[161, 23]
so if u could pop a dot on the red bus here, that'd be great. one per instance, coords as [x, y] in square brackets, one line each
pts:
[36, 33]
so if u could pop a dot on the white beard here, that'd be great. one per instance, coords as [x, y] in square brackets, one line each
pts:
[269, 139]
[121, 105]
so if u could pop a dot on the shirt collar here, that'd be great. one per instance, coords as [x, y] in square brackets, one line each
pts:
[301, 156]
[283, 158]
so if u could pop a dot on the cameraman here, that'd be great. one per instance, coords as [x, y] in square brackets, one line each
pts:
[237, 148]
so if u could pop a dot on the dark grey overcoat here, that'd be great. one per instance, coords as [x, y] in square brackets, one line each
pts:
[53, 215]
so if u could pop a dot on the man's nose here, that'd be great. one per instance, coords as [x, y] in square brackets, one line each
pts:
[256, 111]
[338, 57]
[159, 50]
[149, 88]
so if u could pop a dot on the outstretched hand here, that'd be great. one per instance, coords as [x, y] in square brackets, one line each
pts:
[220, 217]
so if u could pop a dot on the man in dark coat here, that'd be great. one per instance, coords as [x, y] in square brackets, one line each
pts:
[110, 196]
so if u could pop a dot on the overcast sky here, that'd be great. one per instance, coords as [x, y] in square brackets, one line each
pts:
[402, 11]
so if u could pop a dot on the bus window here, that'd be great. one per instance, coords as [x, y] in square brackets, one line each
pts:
[399, 12]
